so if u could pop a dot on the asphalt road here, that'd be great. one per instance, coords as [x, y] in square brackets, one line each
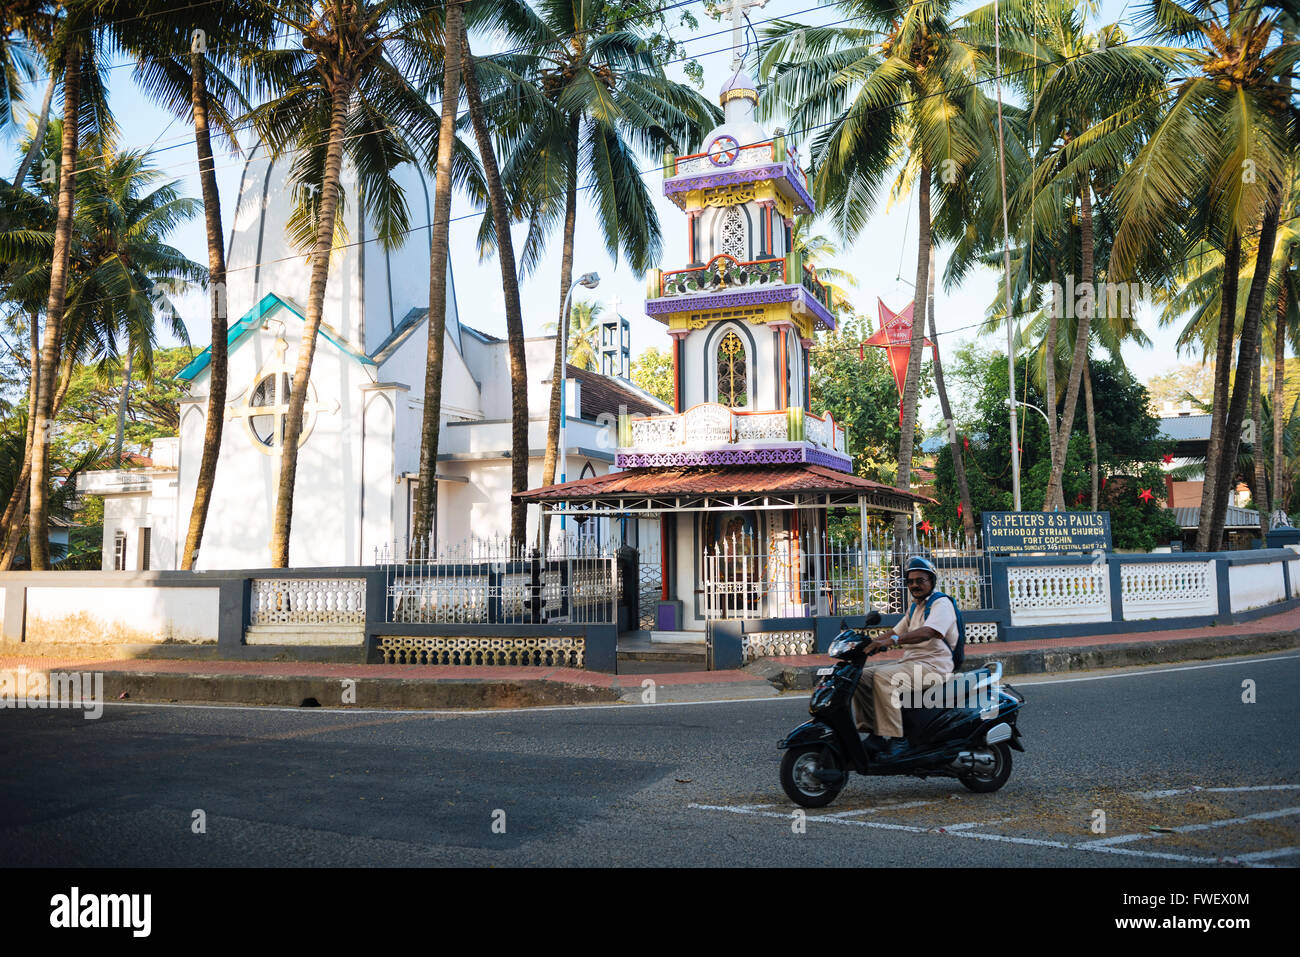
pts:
[1184, 771]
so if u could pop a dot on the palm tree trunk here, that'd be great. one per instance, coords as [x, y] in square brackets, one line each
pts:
[566, 280]
[320, 273]
[19, 501]
[510, 286]
[121, 407]
[1207, 535]
[1246, 358]
[1260, 491]
[11, 526]
[42, 124]
[1082, 335]
[1278, 498]
[426, 493]
[911, 386]
[1049, 367]
[1092, 430]
[217, 366]
[38, 519]
[958, 460]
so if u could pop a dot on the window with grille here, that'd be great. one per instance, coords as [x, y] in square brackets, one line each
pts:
[119, 551]
[146, 546]
[735, 234]
[733, 374]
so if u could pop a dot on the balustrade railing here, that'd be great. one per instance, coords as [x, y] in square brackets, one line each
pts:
[710, 424]
[722, 272]
[756, 154]
[308, 601]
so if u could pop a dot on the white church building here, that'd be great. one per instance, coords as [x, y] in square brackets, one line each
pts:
[358, 458]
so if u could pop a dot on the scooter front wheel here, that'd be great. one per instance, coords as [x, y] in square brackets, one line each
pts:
[799, 768]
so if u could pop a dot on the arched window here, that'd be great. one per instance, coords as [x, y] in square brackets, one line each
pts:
[732, 371]
[734, 233]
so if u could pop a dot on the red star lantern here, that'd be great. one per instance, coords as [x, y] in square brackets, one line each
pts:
[1168, 458]
[1103, 481]
[965, 444]
[1146, 495]
[959, 509]
[926, 526]
[1078, 499]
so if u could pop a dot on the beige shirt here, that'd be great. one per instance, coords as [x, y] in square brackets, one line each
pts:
[936, 652]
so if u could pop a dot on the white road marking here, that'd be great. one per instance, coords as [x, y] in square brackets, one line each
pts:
[881, 807]
[1266, 855]
[1195, 789]
[962, 831]
[970, 824]
[1188, 828]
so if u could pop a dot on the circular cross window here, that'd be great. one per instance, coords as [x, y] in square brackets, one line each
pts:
[723, 151]
[268, 408]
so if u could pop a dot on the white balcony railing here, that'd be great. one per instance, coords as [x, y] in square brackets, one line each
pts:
[710, 424]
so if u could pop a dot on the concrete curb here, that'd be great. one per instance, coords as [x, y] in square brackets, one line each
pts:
[292, 691]
[1083, 658]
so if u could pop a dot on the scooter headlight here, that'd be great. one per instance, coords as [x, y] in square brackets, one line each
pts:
[843, 645]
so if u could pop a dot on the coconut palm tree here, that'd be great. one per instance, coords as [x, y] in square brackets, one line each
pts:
[584, 330]
[74, 50]
[498, 205]
[190, 72]
[897, 93]
[1213, 165]
[342, 89]
[122, 275]
[603, 99]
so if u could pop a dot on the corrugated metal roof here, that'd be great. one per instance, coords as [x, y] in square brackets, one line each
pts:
[1186, 428]
[1235, 517]
[715, 480]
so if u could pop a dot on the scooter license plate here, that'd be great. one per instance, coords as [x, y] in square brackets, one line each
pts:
[823, 672]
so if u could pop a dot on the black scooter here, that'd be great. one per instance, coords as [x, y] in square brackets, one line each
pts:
[970, 739]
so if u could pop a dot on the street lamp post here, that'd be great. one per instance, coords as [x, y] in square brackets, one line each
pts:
[588, 280]
[1027, 405]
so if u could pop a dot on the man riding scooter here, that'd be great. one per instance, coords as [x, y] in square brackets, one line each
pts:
[928, 633]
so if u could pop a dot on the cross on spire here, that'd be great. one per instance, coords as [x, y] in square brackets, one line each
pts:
[737, 8]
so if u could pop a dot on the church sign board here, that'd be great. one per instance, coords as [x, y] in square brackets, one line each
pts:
[1021, 532]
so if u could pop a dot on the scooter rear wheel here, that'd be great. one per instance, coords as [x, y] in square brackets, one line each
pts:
[800, 786]
[989, 781]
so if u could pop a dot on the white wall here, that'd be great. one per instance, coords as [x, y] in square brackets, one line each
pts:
[121, 615]
[325, 527]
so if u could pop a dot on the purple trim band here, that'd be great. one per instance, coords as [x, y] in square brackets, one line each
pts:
[744, 296]
[707, 457]
[781, 173]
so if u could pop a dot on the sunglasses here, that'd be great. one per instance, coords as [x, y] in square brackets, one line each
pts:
[914, 582]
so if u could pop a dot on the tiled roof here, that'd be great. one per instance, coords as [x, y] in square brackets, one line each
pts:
[716, 480]
[603, 394]
[1235, 518]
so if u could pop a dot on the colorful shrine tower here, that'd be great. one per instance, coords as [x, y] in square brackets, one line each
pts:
[742, 474]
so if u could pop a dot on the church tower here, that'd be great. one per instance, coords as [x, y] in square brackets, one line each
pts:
[743, 310]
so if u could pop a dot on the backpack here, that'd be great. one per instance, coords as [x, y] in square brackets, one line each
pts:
[959, 652]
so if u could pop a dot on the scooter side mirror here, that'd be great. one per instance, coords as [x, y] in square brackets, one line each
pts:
[873, 619]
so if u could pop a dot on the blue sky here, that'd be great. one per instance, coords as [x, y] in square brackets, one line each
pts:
[883, 258]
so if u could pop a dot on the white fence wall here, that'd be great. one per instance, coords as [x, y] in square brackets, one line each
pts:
[1168, 589]
[1254, 586]
[1058, 594]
